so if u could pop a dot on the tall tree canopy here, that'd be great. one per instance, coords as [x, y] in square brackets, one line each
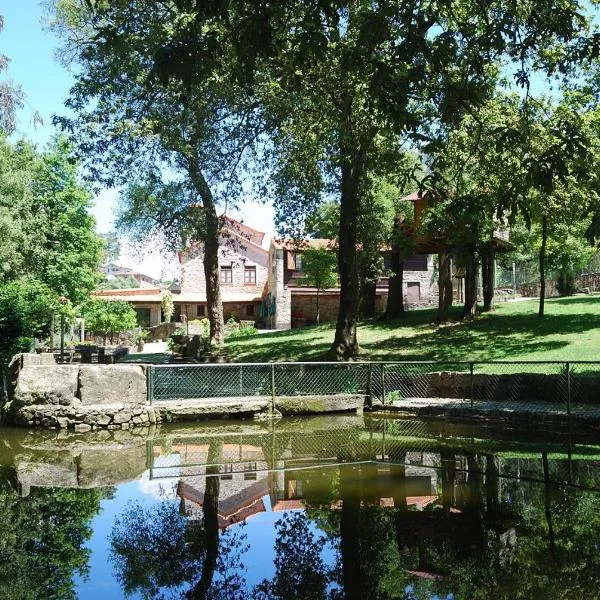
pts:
[155, 101]
[350, 82]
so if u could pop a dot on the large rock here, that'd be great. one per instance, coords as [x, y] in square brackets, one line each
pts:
[46, 384]
[112, 384]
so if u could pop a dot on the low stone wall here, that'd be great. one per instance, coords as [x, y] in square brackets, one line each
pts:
[501, 387]
[81, 397]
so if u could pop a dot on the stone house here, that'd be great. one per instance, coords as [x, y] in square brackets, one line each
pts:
[265, 284]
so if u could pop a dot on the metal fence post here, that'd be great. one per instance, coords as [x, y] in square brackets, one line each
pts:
[272, 387]
[471, 383]
[150, 383]
[568, 368]
[368, 390]
[241, 380]
[382, 383]
[150, 456]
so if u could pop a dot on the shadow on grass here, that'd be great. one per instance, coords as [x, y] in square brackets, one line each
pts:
[503, 335]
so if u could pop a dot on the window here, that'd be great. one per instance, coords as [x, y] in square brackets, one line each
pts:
[226, 275]
[249, 310]
[299, 262]
[201, 310]
[416, 262]
[250, 275]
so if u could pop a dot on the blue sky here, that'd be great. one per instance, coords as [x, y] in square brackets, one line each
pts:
[46, 83]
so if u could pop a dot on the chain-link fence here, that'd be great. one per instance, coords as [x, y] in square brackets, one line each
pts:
[571, 388]
[252, 380]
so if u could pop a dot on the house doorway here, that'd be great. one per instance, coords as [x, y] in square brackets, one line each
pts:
[413, 292]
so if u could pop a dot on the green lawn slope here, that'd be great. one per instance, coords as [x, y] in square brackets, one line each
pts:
[570, 331]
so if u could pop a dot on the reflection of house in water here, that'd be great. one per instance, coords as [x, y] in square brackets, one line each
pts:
[243, 480]
[247, 478]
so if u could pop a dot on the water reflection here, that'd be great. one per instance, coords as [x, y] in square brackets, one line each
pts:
[309, 508]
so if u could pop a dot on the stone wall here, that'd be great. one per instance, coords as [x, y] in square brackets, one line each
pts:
[231, 254]
[276, 288]
[427, 284]
[81, 397]
[591, 282]
[304, 307]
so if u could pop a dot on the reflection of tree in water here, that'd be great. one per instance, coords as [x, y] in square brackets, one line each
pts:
[484, 537]
[300, 572]
[157, 551]
[42, 540]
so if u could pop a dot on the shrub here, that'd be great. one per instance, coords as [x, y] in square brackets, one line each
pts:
[241, 332]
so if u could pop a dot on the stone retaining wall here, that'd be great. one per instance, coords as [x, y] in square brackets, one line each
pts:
[81, 397]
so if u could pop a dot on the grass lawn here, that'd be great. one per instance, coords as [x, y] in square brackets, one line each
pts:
[570, 331]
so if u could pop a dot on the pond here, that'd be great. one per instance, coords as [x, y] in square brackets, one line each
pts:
[314, 507]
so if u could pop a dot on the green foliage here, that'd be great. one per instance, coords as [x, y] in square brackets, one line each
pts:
[299, 569]
[43, 540]
[241, 332]
[71, 251]
[122, 282]
[154, 549]
[167, 305]
[11, 97]
[21, 225]
[26, 310]
[318, 268]
[108, 317]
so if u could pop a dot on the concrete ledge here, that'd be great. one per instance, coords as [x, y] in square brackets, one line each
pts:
[202, 408]
[304, 405]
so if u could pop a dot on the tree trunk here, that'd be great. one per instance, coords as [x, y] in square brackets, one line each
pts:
[443, 280]
[448, 479]
[543, 265]
[349, 533]
[368, 293]
[547, 510]
[488, 276]
[214, 304]
[492, 486]
[395, 299]
[345, 344]
[470, 306]
[318, 315]
[210, 511]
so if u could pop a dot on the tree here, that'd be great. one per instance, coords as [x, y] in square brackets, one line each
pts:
[108, 317]
[44, 540]
[11, 96]
[71, 252]
[112, 246]
[318, 266]
[378, 209]
[22, 228]
[159, 77]
[350, 82]
[26, 309]
[121, 282]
